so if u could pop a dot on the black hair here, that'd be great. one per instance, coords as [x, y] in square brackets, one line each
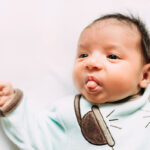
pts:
[145, 37]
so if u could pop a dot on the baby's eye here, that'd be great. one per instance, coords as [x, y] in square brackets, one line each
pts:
[112, 56]
[83, 55]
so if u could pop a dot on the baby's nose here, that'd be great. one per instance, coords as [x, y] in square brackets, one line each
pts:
[94, 64]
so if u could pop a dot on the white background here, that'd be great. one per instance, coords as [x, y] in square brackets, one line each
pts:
[38, 41]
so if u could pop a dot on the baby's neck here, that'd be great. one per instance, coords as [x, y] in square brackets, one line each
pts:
[131, 97]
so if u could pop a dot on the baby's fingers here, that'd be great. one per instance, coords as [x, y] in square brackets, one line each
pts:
[3, 100]
[5, 88]
[8, 90]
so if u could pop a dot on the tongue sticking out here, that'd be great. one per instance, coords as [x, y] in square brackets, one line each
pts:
[92, 84]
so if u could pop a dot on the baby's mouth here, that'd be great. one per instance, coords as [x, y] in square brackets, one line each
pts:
[92, 84]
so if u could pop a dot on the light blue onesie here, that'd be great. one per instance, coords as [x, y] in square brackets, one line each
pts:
[58, 129]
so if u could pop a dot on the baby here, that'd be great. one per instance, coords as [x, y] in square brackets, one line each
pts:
[112, 73]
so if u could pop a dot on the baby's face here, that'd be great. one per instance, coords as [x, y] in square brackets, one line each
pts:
[109, 62]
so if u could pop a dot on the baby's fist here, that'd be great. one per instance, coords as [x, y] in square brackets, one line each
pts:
[6, 92]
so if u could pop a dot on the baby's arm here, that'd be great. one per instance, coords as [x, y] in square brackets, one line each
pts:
[27, 128]
[9, 97]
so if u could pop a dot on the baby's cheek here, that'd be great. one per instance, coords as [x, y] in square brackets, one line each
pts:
[122, 87]
[76, 77]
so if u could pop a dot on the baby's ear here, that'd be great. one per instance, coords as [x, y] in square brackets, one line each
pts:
[145, 76]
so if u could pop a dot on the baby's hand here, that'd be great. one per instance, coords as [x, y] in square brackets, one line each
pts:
[6, 92]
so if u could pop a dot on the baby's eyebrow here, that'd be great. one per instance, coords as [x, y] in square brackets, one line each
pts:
[82, 46]
[113, 46]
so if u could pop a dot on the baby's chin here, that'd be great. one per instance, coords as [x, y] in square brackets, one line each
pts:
[96, 99]
[101, 99]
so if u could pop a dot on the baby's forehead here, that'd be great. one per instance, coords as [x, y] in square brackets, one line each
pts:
[111, 27]
[108, 32]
